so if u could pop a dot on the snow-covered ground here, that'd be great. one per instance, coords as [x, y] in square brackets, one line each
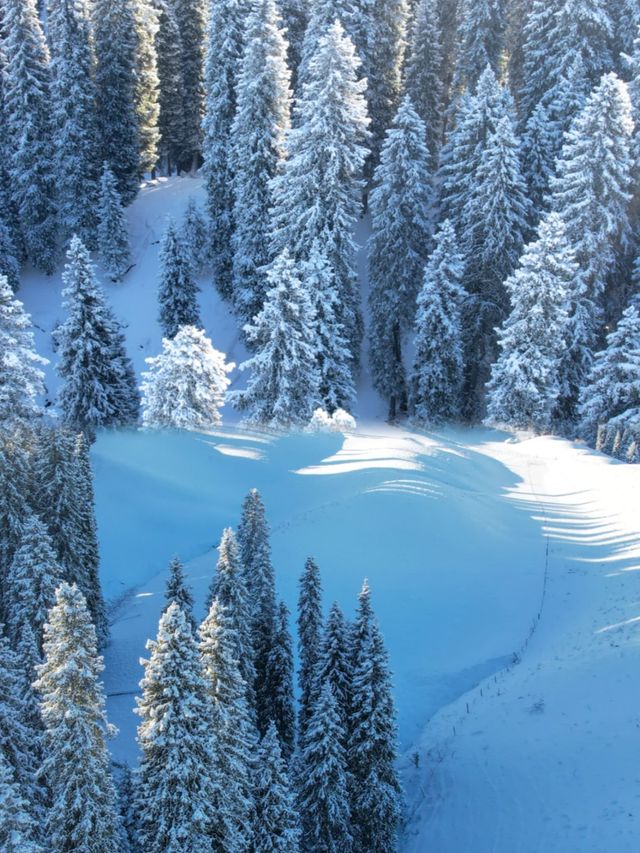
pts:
[467, 537]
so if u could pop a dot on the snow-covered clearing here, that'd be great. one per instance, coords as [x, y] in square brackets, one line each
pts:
[456, 531]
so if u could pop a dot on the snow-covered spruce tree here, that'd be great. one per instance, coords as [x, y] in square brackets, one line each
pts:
[113, 237]
[438, 365]
[225, 42]
[177, 291]
[318, 195]
[280, 681]
[400, 226]
[229, 589]
[171, 100]
[194, 234]
[480, 40]
[254, 552]
[496, 227]
[18, 829]
[294, 19]
[376, 798]
[126, 799]
[284, 383]
[27, 112]
[191, 20]
[32, 580]
[613, 384]
[115, 45]
[591, 195]
[537, 157]
[310, 624]
[178, 591]
[98, 384]
[9, 265]
[334, 664]
[354, 16]
[73, 96]
[83, 813]
[147, 89]
[8, 204]
[21, 379]
[175, 790]
[185, 386]
[323, 798]
[423, 74]
[277, 820]
[257, 137]
[233, 821]
[15, 492]
[525, 379]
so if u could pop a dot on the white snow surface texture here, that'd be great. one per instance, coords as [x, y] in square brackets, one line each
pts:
[504, 571]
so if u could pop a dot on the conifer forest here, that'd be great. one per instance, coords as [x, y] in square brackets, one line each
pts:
[319, 426]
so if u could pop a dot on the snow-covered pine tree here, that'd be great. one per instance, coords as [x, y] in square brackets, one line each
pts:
[15, 489]
[21, 379]
[191, 19]
[178, 590]
[354, 16]
[318, 195]
[497, 223]
[27, 111]
[195, 236]
[537, 157]
[147, 89]
[32, 580]
[525, 379]
[177, 291]
[73, 96]
[18, 829]
[376, 798]
[9, 265]
[233, 823]
[323, 798]
[171, 100]
[277, 820]
[254, 552]
[400, 228]
[294, 19]
[225, 42]
[423, 72]
[83, 813]
[115, 45]
[284, 382]
[98, 384]
[480, 40]
[280, 680]
[126, 799]
[613, 384]
[8, 205]
[258, 138]
[176, 788]
[337, 388]
[591, 194]
[113, 237]
[310, 624]
[438, 365]
[185, 386]
[334, 664]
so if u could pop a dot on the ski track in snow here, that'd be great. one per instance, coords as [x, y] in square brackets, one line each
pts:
[454, 530]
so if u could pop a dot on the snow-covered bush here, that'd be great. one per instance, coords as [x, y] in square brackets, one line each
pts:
[339, 421]
[185, 385]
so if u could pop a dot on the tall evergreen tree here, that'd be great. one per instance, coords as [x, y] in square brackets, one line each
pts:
[280, 682]
[15, 488]
[18, 829]
[27, 107]
[113, 238]
[257, 136]
[481, 40]
[310, 624]
[178, 591]
[525, 379]
[74, 117]
[191, 20]
[438, 365]
[9, 217]
[21, 379]
[277, 822]
[83, 813]
[171, 99]
[98, 387]
[177, 292]
[318, 194]
[147, 91]
[176, 788]
[195, 236]
[334, 664]
[225, 41]
[323, 795]
[115, 45]
[283, 387]
[294, 18]
[9, 264]
[400, 209]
